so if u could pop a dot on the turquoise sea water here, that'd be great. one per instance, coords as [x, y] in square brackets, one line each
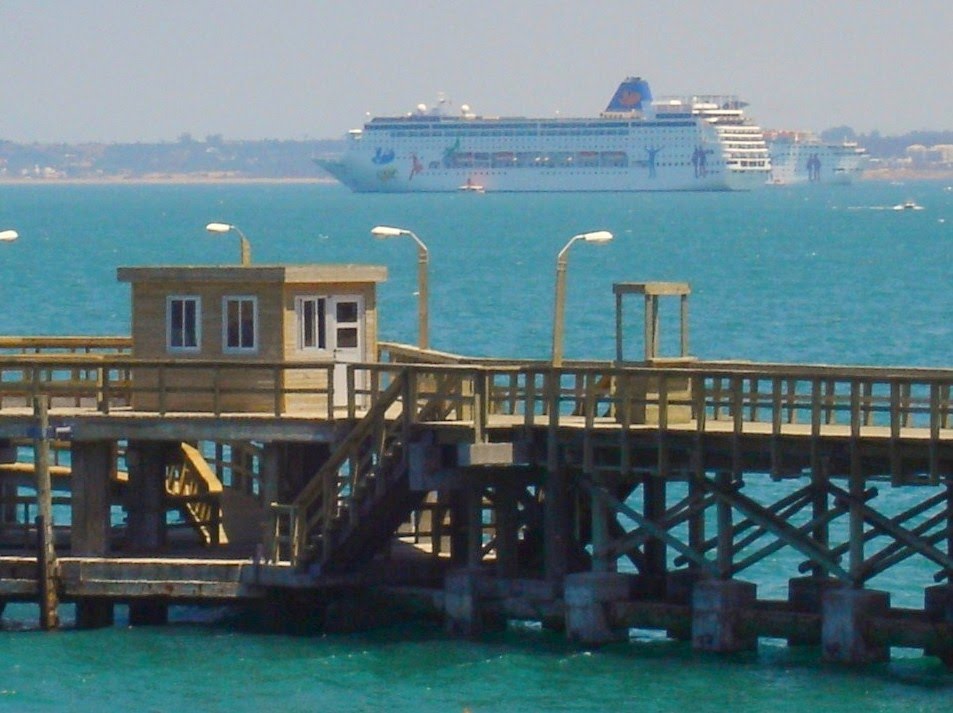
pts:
[790, 274]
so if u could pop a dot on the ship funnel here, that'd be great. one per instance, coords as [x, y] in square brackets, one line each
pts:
[633, 94]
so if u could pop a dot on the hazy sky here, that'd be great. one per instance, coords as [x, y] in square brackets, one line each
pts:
[144, 70]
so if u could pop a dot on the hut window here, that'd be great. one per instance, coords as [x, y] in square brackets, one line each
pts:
[183, 323]
[240, 324]
[312, 322]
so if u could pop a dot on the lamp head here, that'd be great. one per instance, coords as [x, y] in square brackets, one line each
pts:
[599, 236]
[218, 227]
[385, 231]
[8, 236]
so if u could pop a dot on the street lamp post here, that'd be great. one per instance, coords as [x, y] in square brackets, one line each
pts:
[423, 259]
[226, 228]
[8, 236]
[562, 260]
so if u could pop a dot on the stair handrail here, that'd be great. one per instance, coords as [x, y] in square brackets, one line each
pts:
[195, 484]
[196, 477]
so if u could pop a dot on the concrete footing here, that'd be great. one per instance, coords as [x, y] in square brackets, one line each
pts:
[717, 615]
[465, 613]
[148, 613]
[806, 594]
[586, 597]
[679, 588]
[94, 614]
[938, 605]
[292, 612]
[680, 584]
[844, 630]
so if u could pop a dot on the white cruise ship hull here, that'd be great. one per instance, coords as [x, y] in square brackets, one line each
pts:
[632, 146]
[396, 178]
[795, 163]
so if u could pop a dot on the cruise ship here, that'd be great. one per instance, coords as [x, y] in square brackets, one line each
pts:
[637, 144]
[801, 157]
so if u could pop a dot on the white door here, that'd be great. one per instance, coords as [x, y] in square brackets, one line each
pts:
[347, 341]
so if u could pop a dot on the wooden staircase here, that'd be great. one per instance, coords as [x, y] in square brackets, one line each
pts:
[353, 505]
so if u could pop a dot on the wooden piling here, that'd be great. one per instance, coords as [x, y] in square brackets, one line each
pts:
[46, 552]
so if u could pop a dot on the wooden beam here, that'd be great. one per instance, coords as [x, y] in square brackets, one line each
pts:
[784, 530]
[649, 526]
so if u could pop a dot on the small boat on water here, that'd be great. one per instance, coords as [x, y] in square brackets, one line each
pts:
[470, 187]
[908, 205]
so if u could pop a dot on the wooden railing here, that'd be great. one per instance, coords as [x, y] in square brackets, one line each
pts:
[861, 400]
[102, 383]
[53, 345]
[194, 488]
[779, 396]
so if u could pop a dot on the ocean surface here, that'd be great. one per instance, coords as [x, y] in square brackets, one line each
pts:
[787, 274]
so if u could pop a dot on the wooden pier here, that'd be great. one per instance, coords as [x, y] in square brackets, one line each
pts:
[595, 497]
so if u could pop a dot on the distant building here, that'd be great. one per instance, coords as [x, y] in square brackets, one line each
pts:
[939, 156]
[917, 153]
[942, 154]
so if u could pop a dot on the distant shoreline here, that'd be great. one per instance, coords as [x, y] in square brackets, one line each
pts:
[906, 174]
[170, 179]
[878, 174]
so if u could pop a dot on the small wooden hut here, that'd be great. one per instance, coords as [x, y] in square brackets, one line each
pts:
[273, 319]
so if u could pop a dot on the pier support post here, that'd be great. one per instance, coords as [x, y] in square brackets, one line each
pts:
[718, 616]
[599, 516]
[8, 491]
[271, 462]
[463, 603]
[474, 497]
[587, 597]
[654, 498]
[302, 461]
[145, 499]
[146, 509]
[939, 608]
[556, 525]
[507, 531]
[556, 531]
[457, 503]
[844, 619]
[805, 594]
[48, 574]
[92, 464]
